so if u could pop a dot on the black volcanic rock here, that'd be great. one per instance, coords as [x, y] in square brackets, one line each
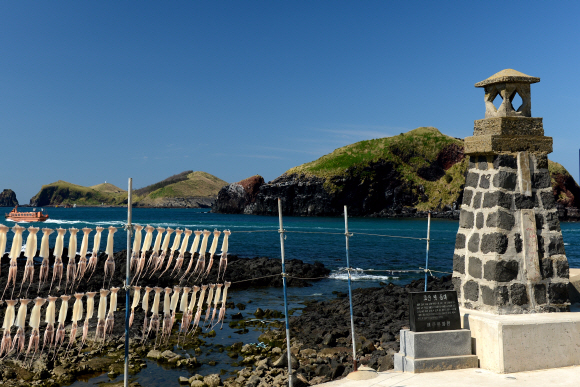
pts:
[236, 197]
[366, 190]
[8, 198]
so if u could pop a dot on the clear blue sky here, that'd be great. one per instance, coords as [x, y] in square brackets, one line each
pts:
[94, 91]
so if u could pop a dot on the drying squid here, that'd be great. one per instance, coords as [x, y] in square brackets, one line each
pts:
[7, 326]
[182, 251]
[155, 253]
[76, 316]
[3, 240]
[82, 266]
[164, 247]
[44, 254]
[174, 248]
[208, 302]
[101, 315]
[200, 265]
[110, 321]
[34, 323]
[223, 308]
[29, 253]
[173, 305]
[193, 251]
[212, 250]
[136, 247]
[224, 256]
[145, 306]
[134, 303]
[60, 332]
[199, 307]
[187, 310]
[96, 246]
[89, 316]
[21, 324]
[71, 267]
[58, 266]
[216, 299]
[166, 327]
[184, 299]
[146, 245]
[110, 262]
[15, 251]
[155, 313]
[49, 319]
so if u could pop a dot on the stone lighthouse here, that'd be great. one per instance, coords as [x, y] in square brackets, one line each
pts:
[509, 253]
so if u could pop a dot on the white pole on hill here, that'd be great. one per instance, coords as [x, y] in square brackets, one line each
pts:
[128, 281]
[288, 352]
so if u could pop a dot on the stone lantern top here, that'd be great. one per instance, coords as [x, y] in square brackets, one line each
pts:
[506, 84]
[508, 129]
[507, 75]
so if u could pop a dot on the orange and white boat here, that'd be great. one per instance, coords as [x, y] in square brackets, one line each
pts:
[17, 216]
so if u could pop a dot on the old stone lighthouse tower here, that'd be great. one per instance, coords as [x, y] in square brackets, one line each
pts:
[509, 253]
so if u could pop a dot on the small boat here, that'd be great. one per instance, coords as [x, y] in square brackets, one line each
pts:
[17, 216]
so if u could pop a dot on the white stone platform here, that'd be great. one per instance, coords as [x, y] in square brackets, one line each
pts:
[558, 377]
[524, 342]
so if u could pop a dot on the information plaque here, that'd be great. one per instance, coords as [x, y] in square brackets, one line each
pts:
[434, 311]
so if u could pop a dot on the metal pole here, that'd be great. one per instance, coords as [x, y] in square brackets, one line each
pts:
[128, 281]
[427, 253]
[289, 353]
[346, 235]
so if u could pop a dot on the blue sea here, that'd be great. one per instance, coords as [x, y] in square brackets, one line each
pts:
[378, 258]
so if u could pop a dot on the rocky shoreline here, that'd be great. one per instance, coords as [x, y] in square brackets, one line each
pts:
[107, 357]
[320, 345]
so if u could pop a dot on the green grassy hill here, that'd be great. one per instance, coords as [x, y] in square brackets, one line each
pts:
[62, 192]
[188, 184]
[423, 156]
[185, 185]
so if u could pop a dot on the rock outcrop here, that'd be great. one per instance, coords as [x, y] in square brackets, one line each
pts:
[8, 198]
[417, 171]
[235, 197]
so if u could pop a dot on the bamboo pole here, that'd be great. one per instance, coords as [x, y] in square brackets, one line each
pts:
[288, 352]
[427, 253]
[128, 281]
[346, 235]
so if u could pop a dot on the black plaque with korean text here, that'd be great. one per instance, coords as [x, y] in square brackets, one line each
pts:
[434, 311]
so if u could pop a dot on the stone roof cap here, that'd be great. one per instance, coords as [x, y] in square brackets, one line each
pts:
[507, 75]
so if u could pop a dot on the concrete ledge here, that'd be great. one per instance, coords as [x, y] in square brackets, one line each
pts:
[526, 342]
[433, 364]
[435, 344]
[491, 143]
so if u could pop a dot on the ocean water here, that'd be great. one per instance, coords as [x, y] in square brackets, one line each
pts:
[366, 252]
[377, 258]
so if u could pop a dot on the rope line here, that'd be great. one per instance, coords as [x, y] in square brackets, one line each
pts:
[329, 233]
[390, 236]
[257, 278]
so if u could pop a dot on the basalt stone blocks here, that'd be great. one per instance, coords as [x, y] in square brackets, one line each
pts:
[493, 245]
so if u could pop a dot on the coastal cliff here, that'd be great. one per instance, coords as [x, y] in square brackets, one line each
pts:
[188, 189]
[8, 198]
[400, 176]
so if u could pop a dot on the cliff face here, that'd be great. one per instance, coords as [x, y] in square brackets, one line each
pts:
[188, 189]
[8, 198]
[403, 181]
[62, 192]
[236, 197]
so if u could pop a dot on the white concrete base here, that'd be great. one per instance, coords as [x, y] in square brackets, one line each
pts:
[524, 342]
[363, 373]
